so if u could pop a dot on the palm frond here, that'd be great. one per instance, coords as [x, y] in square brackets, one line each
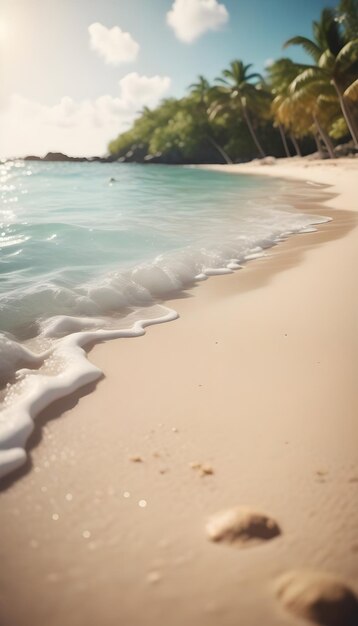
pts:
[351, 93]
[326, 60]
[347, 55]
[330, 106]
[307, 44]
[307, 66]
[254, 75]
[228, 74]
[316, 88]
[306, 77]
[219, 79]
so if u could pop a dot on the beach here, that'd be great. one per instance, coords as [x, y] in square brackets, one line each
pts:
[250, 401]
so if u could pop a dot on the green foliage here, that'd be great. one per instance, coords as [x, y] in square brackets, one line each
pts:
[335, 54]
[339, 128]
[238, 117]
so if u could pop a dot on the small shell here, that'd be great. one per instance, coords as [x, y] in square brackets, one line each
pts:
[136, 458]
[242, 526]
[319, 597]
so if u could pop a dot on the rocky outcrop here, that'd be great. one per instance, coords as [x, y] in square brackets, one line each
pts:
[59, 157]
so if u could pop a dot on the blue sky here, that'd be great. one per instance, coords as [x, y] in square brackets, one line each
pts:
[46, 57]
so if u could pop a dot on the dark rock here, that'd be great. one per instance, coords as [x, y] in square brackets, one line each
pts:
[57, 156]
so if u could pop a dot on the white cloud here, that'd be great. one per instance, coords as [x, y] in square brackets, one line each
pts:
[143, 89]
[191, 18]
[114, 45]
[76, 128]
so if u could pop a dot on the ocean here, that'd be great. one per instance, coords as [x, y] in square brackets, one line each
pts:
[91, 251]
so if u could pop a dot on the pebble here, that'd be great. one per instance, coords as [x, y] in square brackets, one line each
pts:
[204, 469]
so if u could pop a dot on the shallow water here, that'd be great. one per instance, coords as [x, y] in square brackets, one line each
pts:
[84, 256]
[71, 242]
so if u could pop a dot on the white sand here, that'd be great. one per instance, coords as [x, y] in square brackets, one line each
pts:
[256, 382]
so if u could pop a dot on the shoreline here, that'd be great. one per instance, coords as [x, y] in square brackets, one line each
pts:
[26, 398]
[205, 409]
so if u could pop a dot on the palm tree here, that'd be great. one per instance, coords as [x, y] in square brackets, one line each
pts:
[335, 58]
[201, 90]
[285, 111]
[347, 16]
[238, 86]
[302, 111]
[310, 110]
[322, 109]
[203, 95]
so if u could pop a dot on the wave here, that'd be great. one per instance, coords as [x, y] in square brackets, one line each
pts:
[68, 285]
[34, 392]
[67, 292]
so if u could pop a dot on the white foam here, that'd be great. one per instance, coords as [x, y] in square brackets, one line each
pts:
[216, 271]
[13, 354]
[234, 266]
[60, 325]
[68, 335]
[308, 229]
[38, 391]
[254, 255]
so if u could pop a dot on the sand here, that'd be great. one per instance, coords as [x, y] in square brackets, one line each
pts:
[250, 401]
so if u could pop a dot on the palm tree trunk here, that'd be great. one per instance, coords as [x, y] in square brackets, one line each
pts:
[325, 138]
[283, 138]
[353, 118]
[221, 151]
[295, 145]
[252, 132]
[347, 114]
[317, 139]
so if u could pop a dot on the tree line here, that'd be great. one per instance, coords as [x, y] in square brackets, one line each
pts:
[295, 109]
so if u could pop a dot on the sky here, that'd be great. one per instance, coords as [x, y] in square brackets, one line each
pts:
[75, 73]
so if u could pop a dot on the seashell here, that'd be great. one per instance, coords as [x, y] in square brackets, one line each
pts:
[242, 526]
[318, 597]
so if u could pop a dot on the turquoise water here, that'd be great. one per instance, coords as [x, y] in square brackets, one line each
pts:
[89, 252]
[73, 242]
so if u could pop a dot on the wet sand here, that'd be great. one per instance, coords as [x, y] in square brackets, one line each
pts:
[250, 400]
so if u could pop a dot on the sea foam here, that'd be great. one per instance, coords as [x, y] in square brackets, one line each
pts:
[84, 263]
[35, 392]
